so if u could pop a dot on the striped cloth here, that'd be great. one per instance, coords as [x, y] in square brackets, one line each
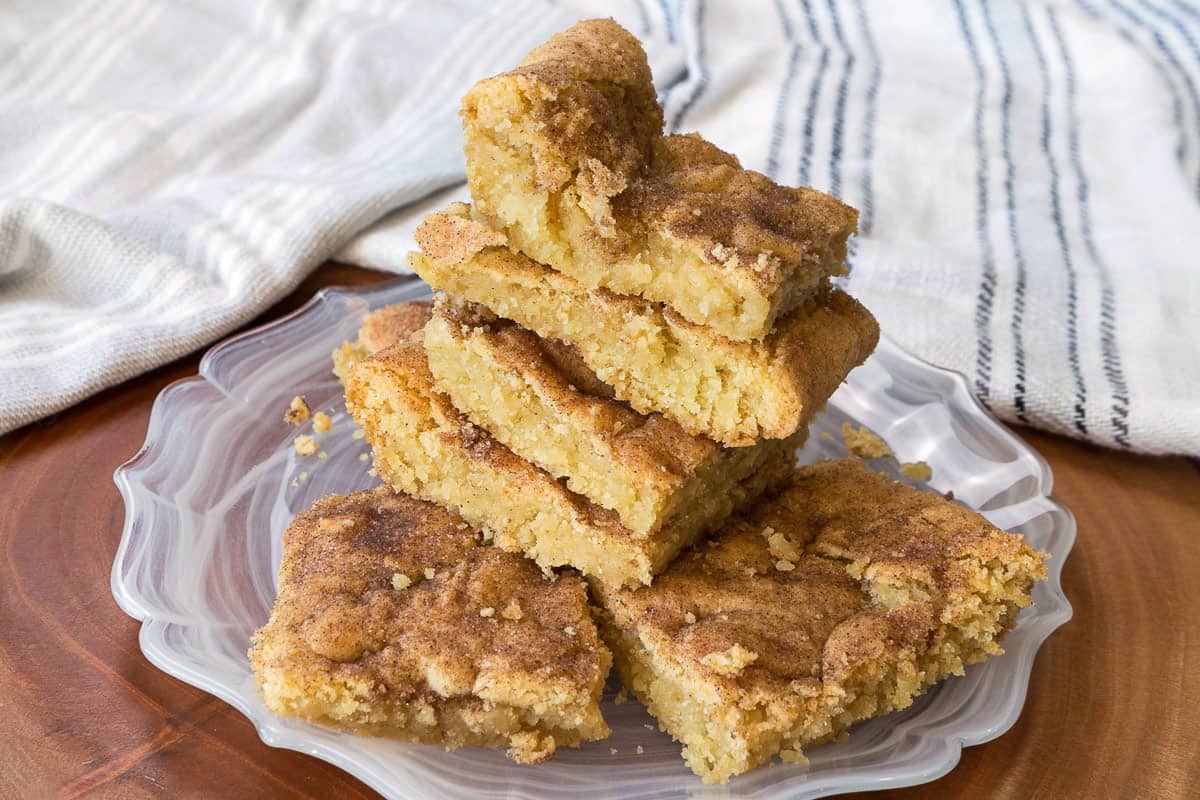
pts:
[1028, 173]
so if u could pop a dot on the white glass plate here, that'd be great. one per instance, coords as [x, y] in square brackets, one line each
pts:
[217, 481]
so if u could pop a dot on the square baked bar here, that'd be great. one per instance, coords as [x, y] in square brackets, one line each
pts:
[392, 619]
[658, 362]
[538, 397]
[840, 599]
[426, 447]
[566, 155]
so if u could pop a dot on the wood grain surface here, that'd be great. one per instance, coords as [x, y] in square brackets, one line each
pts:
[1112, 707]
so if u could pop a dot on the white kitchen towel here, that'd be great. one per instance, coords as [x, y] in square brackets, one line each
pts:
[1028, 173]
[168, 170]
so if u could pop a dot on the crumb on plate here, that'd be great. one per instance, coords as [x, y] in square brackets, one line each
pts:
[297, 412]
[917, 471]
[864, 442]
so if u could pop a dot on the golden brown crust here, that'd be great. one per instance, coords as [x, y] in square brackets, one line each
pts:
[843, 578]
[384, 327]
[537, 397]
[739, 217]
[440, 235]
[392, 324]
[653, 446]
[735, 392]
[404, 357]
[407, 361]
[818, 344]
[649, 444]
[379, 613]
[423, 445]
[455, 235]
[889, 530]
[381, 328]
[566, 155]
[588, 90]
[834, 514]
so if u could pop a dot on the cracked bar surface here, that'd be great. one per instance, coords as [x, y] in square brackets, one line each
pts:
[840, 599]
[392, 619]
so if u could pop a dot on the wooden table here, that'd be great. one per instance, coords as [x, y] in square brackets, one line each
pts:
[1112, 707]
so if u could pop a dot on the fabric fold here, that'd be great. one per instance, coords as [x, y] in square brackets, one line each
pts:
[1028, 174]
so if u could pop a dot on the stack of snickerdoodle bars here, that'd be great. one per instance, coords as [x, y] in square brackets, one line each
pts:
[632, 335]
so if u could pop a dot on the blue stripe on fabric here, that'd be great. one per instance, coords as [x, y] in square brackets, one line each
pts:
[804, 172]
[813, 30]
[987, 285]
[1174, 22]
[1186, 33]
[1167, 51]
[785, 91]
[1016, 327]
[867, 219]
[1080, 407]
[1187, 8]
[785, 21]
[839, 111]
[644, 17]
[669, 18]
[1109, 349]
[781, 104]
[1181, 148]
[664, 96]
[702, 77]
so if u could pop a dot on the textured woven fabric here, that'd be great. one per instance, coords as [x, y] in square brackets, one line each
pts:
[1028, 173]
[169, 170]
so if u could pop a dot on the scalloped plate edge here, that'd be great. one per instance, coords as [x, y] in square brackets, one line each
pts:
[1039, 628]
